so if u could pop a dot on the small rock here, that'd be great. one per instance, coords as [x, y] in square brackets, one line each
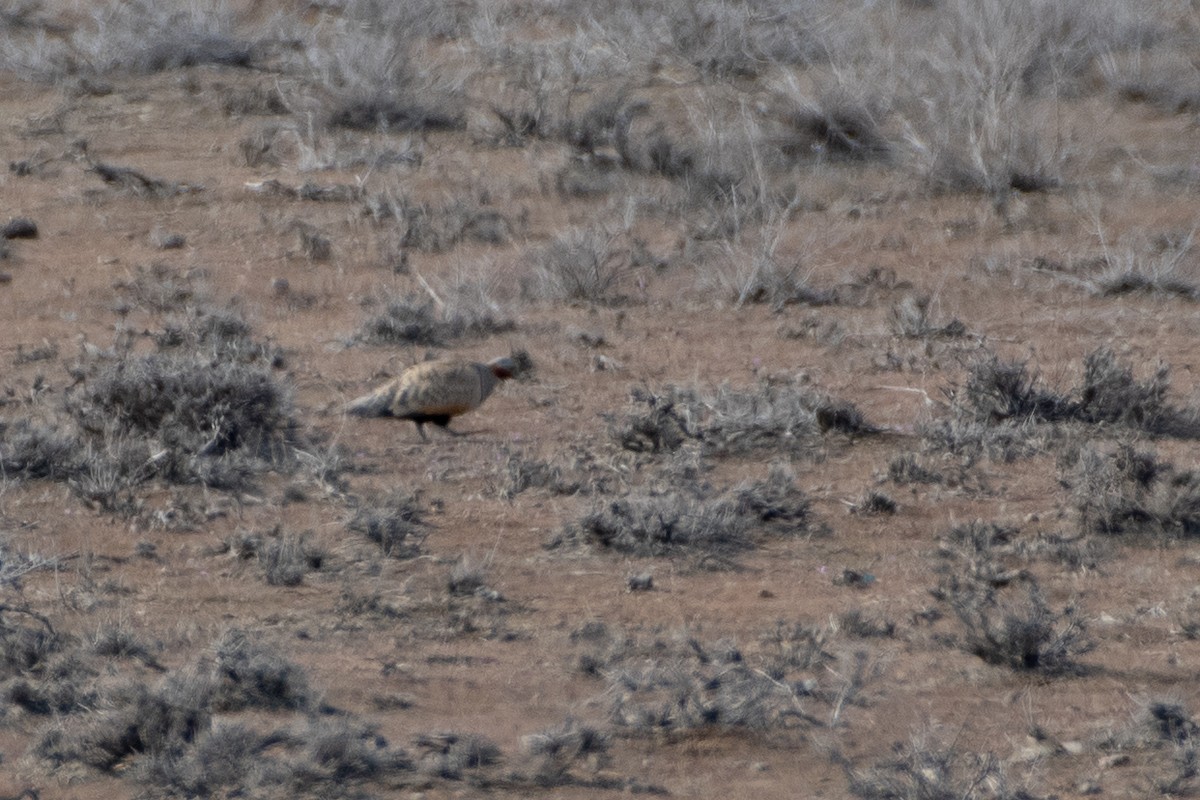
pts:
[280, 287]
[1114, 760]
[1032, 753]
[1088, 788]
[602, 363]
[19, 228]
[852, 577]
[642, 582]
[1073, 748]
[587, 338]
[168, 241]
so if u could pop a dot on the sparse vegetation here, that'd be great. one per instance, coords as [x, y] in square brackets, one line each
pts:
[407, 320]
[450, 755]
[34, 450]
[579, 474]
[467, 577]
[1020, 633]
[1164, 730]
[835, 125]
[424, 228]
[415, 320]
[396, 522]
[1005, 410]
[1129, 492]
[160, 287]
[874, 503]
[139, 720]
[1165, 269]
[558, 748]
[209, 397]
[861, 625]
[206, 408]
[370, 74]
[167, 737]
[787, 224]
[921, 770]
[679, 684]
[907, 468]
[148, 37]
[785, 417]
[910, 318]
[249, 674]
[580, 265]
[692, 520]
[286, 558]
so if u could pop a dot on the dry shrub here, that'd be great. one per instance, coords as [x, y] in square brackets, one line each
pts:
[923, 771]
[1165, 732]
[692, 520]
[395, 521]
[248, 674]
[420, 320]
[1022, 633]
[771, 416]
[1129, 492]
[677, 683]
[1005, 410]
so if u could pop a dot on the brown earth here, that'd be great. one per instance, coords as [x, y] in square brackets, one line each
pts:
[509, 668]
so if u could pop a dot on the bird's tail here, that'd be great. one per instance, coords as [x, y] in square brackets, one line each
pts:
[374, 404]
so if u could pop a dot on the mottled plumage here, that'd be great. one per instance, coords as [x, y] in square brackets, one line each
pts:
[435, 391]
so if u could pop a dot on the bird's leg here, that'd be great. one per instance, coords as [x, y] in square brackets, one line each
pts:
[421, 430]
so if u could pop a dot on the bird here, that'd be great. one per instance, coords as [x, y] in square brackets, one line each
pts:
[435, 391]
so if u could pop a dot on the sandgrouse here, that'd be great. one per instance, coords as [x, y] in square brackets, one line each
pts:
[435, 391]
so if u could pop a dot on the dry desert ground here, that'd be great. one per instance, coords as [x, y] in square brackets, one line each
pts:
[851, 450]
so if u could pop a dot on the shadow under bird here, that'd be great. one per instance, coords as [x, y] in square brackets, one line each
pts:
[436, 391]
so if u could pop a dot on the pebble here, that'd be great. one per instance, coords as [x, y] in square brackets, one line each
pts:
[19, 228]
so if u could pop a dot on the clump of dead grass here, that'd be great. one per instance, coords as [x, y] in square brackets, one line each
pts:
[1166, 733]
[395, 521]
[422, 320]
[558, 748]
[144, 37]
[911, 318]
[834, 125]
[672, 684]
[1163, 266]
[428, 228]
[161, 288]
[1127, 492]
[924, 769]
[207, 407]
[771, 416]
[1006, 410]
[691, 520]
[581, 265]
[370, 75]
[1019, 632]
